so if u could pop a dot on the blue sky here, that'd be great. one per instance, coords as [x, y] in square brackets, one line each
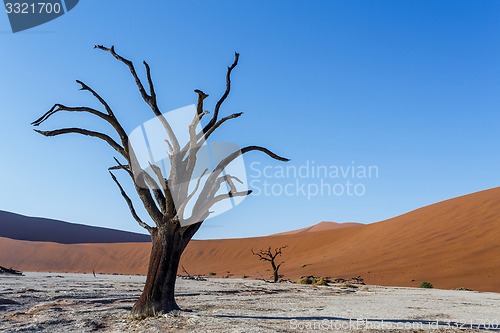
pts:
[410, 87]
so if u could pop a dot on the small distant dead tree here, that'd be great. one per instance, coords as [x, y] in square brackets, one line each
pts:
[269, 255]
[5, 270]
[164, 195]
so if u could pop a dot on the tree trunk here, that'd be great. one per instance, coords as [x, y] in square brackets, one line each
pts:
[275, 272]
[158, 294]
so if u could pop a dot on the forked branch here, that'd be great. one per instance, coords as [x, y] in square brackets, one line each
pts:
[211, 186]
[180, 211]
[97, 96]
[60, 107]
[141, 187]
[131, 67]
[131, 205]
[268, 254]
[82, 131]
[150, 98]
[121, 166]
[109, 117]
[217, 125]
[226, 93]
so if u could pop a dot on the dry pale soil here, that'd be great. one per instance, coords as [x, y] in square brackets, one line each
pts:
[53, 302]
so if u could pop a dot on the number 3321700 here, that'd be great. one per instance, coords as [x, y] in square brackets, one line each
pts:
[33, 8]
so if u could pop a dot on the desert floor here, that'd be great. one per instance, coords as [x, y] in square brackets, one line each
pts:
[52, 302]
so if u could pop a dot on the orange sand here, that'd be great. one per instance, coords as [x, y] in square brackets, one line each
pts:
[454, 243]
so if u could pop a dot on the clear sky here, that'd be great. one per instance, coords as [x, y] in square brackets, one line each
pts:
[408, 87]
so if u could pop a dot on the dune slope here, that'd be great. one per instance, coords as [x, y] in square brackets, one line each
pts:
[322, 226]
[39, 229]
[452, 244]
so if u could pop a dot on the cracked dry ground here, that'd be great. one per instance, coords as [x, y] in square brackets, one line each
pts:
[45, 302]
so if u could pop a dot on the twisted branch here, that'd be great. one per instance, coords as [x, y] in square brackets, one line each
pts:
[226, 93]
[180, 211]
[210, 188]
[143, 191]
[82, 131]
[97, 96]
[131, 205]
[60, 107]
[150, 99]
[217, 124]
[268, 255]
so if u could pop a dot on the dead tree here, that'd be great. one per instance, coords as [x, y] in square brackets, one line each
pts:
[11, 271]
[164, 195]
[268, 255]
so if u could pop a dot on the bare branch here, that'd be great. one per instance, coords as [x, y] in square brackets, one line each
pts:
[131, 205]
[150, 81]
[149, 202]
[170, 147]
[193, 149]
[262, 254]
[226, 93]
[97, 96]
[180, 211]
[60, 107]
[210, 188]
[131, 67]
[201, 97]
[279, 250]
[186, 166]
[204, 136]
[264, 150]
[217, 125]
[119, 167]
[157, 191]
[229, 180]
[231, 157]
[109, 118]
[228, 195]
[169, 201]
[159, 175]
[123, 167]
[149, 99]
[76, 130]
[143, 192]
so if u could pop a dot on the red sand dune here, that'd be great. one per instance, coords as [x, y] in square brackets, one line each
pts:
[322, 226]
[451, 244]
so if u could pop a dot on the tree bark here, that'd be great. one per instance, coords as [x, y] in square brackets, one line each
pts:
[158, 295]
[275, 272]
